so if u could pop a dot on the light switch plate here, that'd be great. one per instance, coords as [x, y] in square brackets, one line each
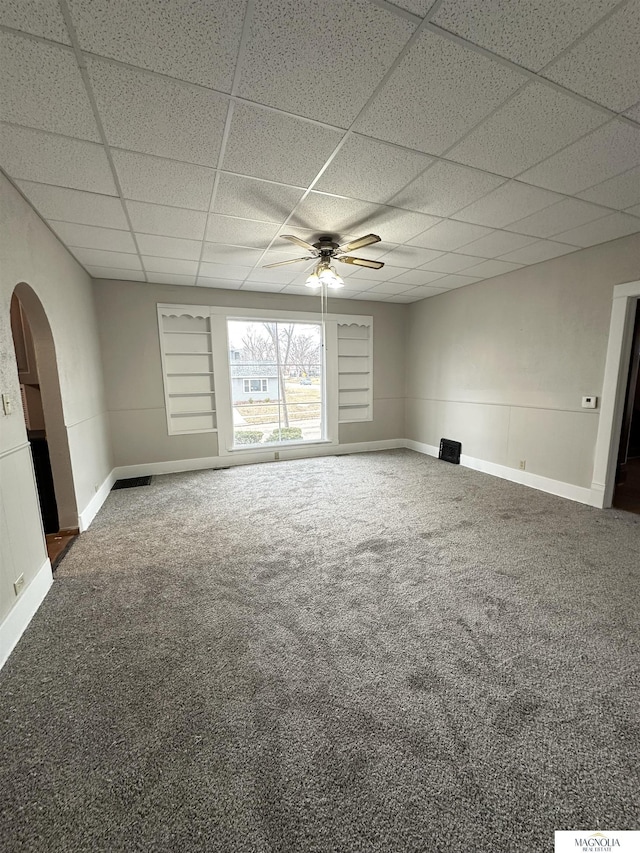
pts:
[589, 402]
[6, 404]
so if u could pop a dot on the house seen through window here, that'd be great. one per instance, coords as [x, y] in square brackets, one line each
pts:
[276, 377]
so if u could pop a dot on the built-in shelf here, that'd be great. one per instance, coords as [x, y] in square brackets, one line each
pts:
[188, 385]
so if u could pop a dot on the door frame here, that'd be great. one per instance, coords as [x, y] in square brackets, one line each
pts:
[614, 389]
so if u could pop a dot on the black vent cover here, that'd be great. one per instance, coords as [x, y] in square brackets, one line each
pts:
[131, 482]
[450, 450]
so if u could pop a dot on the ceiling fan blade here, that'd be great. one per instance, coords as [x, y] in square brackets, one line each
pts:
[283, 263]
[367, 240]
[302, 243]
[361, 262]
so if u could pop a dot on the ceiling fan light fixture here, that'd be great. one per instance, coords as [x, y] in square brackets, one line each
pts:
[327, 275]
[313, 280]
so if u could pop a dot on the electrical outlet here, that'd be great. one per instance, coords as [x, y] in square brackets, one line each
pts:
[18, 584]
[523, 464]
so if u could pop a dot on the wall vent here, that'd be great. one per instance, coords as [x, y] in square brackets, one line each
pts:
[131, 482]
[450, 450]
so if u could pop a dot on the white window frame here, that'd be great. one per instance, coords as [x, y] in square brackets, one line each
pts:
[248, 380]
[330, 378]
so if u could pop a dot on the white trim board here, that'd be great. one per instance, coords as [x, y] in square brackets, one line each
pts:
[614, 389]
[86, 516]
[251, 457]
[17, 620]
[524, 478]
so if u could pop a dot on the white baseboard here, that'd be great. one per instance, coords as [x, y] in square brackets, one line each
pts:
[91, 510]
[17, 620]
[176, 466]
[579, 494]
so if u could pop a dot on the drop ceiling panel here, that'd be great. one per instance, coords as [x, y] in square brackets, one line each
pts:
[452, 262]
[364, 43]
[417, 278]
[534, 124]
[604, 66]
[267, 144]
[172, 278]
[449, 235]
[414, 106]
[608, 151]
[75, 206]
[39, 17]
[397, 226]
[634, 210]
[530, 34]
[218, 253]
[509, 202]
[282, 275]
[450, 282]
[166, 221]
[417, 293]
[92, 237]
[190, 41]
[330, 214]
[239, 232]
[390, 288]
[409, 256]
[498, 243]
[534, 253]
[155, 115]
[108, 272]
[634, 113]
[231, 272]
[602, 230]
[49, 159]
[418, 7]
[568, 212]
[42, 75]
[371, 170]
[167, 182]
[488, 269]
[169, 265]
[619, 192]
[109, 260]
[254, 199]
[444, 188]
[262, 287]
[169, 247]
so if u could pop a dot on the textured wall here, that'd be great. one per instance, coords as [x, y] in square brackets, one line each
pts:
[502, 365]
[30, 253]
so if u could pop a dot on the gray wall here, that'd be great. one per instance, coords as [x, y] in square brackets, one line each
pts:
[30, 253]
[502, 365]
[133, 374]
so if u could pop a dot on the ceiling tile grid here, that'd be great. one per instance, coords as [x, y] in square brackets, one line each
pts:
[177, 142]
[37, 76]
[530, 34]
[155, 115]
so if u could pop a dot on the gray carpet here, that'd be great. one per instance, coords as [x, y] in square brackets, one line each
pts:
[379, 652]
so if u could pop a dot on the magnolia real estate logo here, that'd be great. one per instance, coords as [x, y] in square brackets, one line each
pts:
[580, 841]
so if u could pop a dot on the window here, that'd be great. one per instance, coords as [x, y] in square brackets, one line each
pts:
[261, 386]
[287, 358]
[261, 381]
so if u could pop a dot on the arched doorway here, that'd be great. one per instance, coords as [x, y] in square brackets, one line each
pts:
[44, 417]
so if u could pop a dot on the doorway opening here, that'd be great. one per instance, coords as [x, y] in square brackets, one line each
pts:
[44, 420]
[627, 483]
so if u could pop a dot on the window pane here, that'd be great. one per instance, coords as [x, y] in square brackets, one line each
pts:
[276, 381]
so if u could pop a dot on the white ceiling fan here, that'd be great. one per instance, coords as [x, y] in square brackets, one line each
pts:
[325, 250]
